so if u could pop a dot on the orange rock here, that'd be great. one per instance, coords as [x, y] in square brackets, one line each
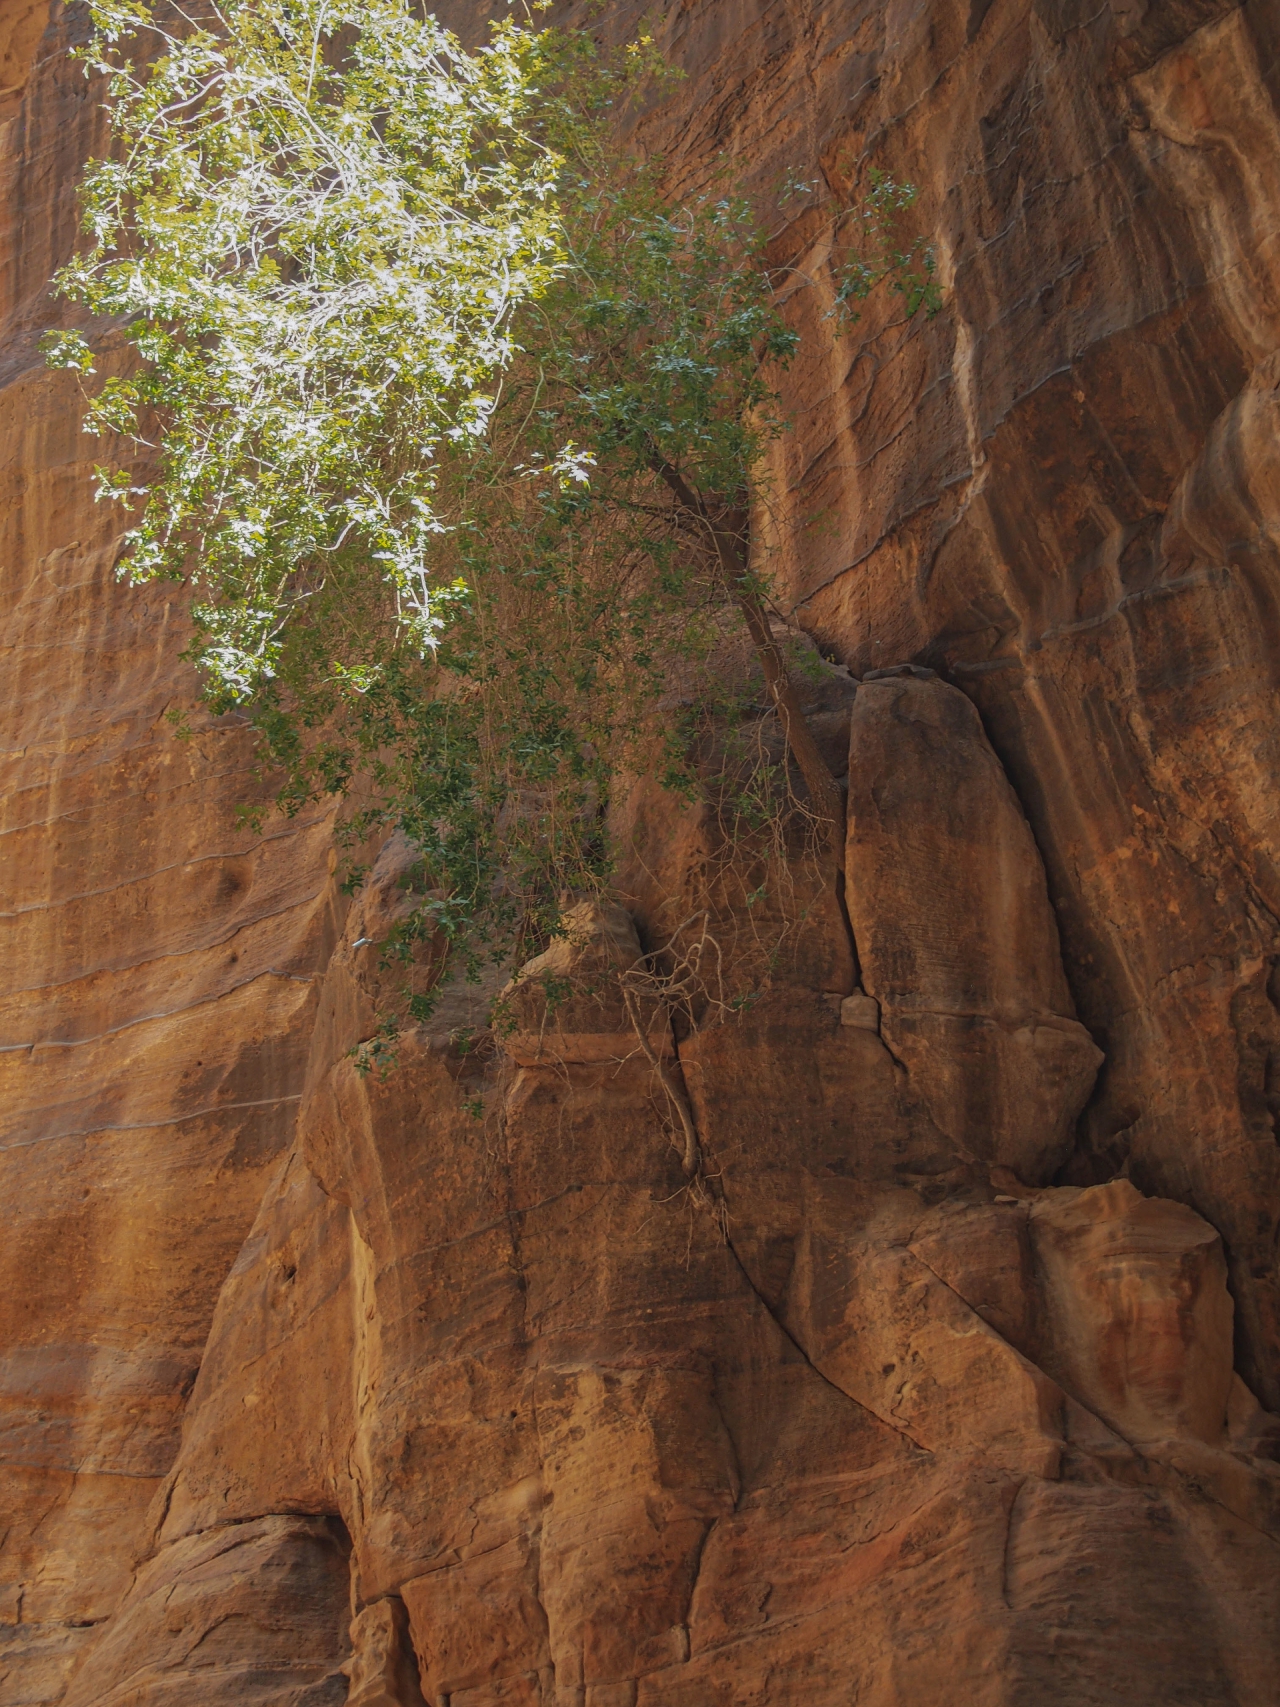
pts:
[317, 1384]
[955, 935]
[250, 1613]
[1136, 1308]
[383, 1670]
[569, 1003]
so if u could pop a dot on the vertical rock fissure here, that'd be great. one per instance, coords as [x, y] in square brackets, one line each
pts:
[1008, 1542]
[842, 902]
[696, 1578]
[384, 1669]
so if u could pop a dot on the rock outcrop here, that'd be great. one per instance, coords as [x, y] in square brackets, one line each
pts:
[952, 1372]
[956, 938]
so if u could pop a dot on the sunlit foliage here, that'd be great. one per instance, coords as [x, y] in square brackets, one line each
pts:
[456, 414]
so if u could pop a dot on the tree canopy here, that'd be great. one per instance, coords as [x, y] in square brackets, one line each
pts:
[452, 414]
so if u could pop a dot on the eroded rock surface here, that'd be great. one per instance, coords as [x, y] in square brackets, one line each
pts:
[951, 1376]
[595, 1440]
[157, 985]
[956, 938]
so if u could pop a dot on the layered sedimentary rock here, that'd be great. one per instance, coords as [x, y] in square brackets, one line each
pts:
[946, 1377]
[967, 973]
[1060, 493]
[158, 960]
[593, 1442]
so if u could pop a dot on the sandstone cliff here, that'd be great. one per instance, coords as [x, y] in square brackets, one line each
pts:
[956, 1383]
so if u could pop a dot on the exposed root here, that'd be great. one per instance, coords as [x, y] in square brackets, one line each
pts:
[691, 1160]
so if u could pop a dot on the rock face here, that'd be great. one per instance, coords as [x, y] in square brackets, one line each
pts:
[158, 967]
[956, 937]
[952, 1373]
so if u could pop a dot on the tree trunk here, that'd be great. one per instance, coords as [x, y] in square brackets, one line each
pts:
[725, 532]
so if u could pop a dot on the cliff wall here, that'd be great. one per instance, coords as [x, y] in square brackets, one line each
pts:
[956, 1379]
[159, 961]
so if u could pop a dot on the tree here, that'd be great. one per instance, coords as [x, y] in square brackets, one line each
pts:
[457, 417]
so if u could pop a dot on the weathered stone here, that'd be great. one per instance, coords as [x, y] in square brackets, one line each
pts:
[955, 935]
[157, 961]
[248, 1614]
[383, 1670]
[1138, 1316]
[860, 1011]
[573, 1002]
[906, 1396]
